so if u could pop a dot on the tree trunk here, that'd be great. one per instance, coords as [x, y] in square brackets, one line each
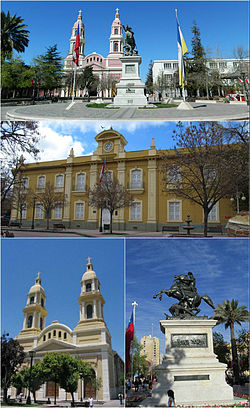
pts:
[21, 219]
[55, 394]
[205, 221]
[5, 395]
[234, 356]
[73, 401]
[111, 222]
[34, 396]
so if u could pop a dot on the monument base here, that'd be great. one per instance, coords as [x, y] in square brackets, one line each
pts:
[190, 368]
[185, 106]
[130, 89]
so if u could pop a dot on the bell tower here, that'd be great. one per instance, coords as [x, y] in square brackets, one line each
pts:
[116, 38]
[34, 311]
[69, 59]
[90, 300]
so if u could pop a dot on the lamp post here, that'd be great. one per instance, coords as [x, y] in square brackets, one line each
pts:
[33, 214]
[31, 353]
[239, 195]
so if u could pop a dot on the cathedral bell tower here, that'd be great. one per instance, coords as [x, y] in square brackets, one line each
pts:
[90, 300]
[68, 63]
[116, 38]
[34, 311]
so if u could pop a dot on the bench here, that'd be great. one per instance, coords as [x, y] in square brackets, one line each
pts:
[170, 228]
[14, 224]
[58, 226]
[215, 228]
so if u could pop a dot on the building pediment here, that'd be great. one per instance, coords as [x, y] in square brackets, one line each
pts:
[54, 345]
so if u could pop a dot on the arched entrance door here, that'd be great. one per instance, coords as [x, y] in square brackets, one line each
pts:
[89, 390]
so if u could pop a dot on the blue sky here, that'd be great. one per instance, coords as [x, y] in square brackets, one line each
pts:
[220, 266]
[223, 25]
[62, 263]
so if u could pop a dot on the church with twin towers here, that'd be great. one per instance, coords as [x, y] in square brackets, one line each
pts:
[107, 69]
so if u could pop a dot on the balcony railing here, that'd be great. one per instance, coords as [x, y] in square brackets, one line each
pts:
[139, 185]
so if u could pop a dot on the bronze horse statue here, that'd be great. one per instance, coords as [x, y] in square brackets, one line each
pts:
[186, 293]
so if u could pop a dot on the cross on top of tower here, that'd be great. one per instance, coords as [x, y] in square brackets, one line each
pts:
[117, 10]
[89, 259]
[79, 15]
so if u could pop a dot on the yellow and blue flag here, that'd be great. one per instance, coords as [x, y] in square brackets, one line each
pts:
[182, 49]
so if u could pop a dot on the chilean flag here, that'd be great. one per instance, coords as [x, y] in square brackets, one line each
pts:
[77, 46]
[128, 338]
[102, 171]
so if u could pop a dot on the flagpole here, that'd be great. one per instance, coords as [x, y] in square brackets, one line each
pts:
[74, 84]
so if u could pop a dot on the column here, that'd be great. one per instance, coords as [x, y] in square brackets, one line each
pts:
[25, 321]
[67, 194]
[82, 311]
[33, 320]
[94, 311]
[105, 376]
[93, 285]
[92, 182]
[38, 323]
[121, 178]
[100, 309]
[152, 191]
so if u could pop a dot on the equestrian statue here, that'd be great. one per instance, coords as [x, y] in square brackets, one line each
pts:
[185, 292]
[129, 46]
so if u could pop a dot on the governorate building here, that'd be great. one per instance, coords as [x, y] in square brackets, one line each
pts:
[140, 173]
[89, 341]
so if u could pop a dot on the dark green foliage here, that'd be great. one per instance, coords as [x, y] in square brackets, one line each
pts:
[89, 80]
[230, 314]
[12, 356]
[16, 77]
[149, 80]
[14, 35]
[221, 348]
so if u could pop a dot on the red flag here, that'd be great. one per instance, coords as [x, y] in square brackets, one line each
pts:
[247, 81]
[128, 338]
[102, 171]
[77, 46]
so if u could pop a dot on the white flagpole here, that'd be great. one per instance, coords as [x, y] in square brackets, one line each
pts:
[74, 85]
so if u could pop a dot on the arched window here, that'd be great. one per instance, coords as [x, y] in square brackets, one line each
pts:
[42, 302]
[136, 178]
[59, 180]
[116, 46]
[41, 323]
[88, 287]
[116, 31]
[30, 319]
[89, 312]
[41, 182]
[31, 300]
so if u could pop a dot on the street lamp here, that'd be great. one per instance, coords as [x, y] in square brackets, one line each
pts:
[32, 354]
[239, 195]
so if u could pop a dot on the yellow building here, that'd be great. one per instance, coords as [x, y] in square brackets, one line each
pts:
[90, 340]
[151, 349]
[138, 171]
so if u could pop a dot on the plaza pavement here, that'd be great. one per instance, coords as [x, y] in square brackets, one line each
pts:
[85, 233]
[58, 111]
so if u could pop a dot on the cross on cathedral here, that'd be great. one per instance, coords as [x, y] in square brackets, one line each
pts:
[89, 259]
[117, 10]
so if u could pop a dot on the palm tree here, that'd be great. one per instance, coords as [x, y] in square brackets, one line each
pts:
[230, 313]
[13, 33]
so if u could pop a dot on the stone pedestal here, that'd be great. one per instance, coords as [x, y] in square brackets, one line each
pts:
[130, 89]
[190, 368]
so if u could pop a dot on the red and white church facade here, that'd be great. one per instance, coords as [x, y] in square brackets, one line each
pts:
[106, 69]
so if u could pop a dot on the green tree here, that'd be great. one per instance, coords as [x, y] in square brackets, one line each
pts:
[137, 362]
[196, 72]
[48, 69]
[52, 367]
[12, 355]
[89, 81]
[242, 343]
[230, 313]
[16, 77]
[221, 348]
[149, 79]
[27, 379]
[14, 35]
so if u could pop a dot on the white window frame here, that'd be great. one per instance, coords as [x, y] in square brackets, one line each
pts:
[75, 210]
[38, 181]
[56, 178]
[137, 202]
[169, 202]
[76, 180]
[57, 216]
[167, 65]
[213, 216]
[39, 207]
[139, 185]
